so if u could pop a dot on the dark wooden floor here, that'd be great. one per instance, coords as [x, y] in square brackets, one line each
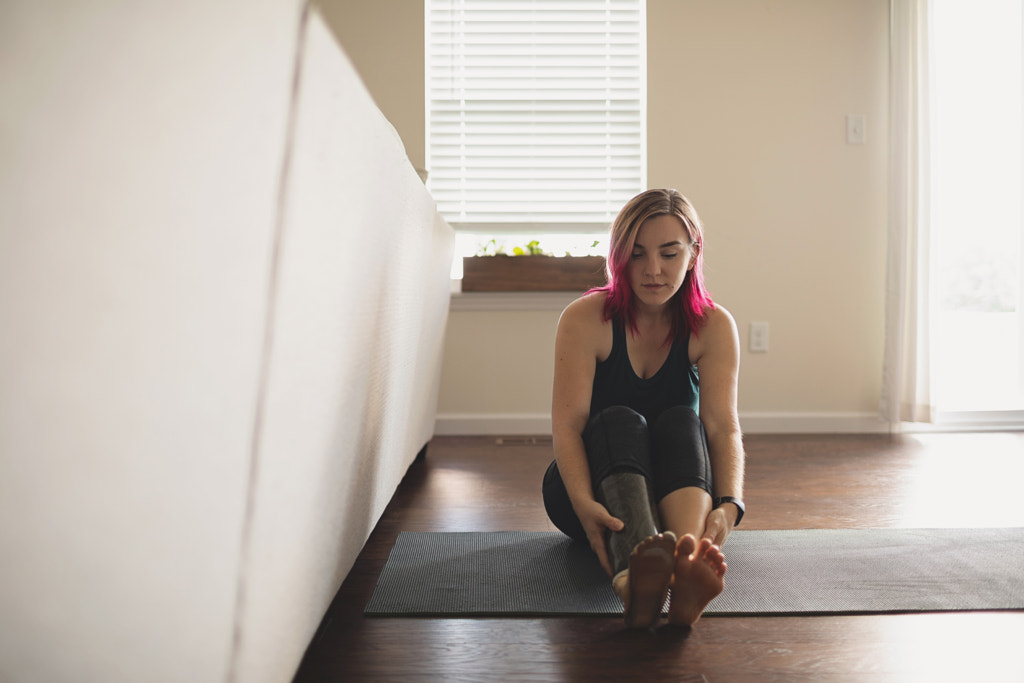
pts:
[793, 482]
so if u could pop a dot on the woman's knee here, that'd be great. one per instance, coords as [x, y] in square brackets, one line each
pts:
[558, 505]
[616, 417]
[616, 439]
[680, 452]
[678, 419]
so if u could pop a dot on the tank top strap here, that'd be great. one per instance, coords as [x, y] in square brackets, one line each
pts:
[618, 335]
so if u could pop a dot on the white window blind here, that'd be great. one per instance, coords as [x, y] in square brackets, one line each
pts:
[535, 111]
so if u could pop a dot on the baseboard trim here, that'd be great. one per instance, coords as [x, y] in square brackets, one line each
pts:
[813, 423]
[481, 424]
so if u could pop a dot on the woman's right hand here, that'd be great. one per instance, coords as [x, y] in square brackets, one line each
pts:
[596, 519]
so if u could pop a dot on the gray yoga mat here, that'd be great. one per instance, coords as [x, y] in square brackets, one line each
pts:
[811, 571]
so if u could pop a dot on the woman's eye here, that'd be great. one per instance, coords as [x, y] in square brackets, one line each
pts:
[669, 256]
[635, 256]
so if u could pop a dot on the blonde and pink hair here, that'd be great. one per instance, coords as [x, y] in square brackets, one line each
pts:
[691, 303]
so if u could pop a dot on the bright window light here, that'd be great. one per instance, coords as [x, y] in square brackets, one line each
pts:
[976, 186]
[535, 112]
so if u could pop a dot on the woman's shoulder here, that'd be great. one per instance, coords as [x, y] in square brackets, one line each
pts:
[717, 331]
[718, 319]
[588, 309]
[584, 321]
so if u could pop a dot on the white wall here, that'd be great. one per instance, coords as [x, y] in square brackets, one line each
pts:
[746, 115]
[215, 366]
[362, 304]
[142, 150]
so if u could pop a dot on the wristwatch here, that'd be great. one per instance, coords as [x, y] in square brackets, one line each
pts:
[735, 501]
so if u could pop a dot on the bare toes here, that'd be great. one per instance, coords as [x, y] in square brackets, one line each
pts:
[687, 545]
[715, 557]
[698, 578]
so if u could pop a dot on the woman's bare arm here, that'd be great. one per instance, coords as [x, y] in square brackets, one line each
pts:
[717, 351]
[577, 347]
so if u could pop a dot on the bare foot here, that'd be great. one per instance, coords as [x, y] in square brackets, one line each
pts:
[644, 586]
[699, 577]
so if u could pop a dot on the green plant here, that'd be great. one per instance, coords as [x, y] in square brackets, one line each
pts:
[493, 248]
[532, 248]
[490, 248]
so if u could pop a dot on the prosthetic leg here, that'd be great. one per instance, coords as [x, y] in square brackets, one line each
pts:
[627, 496]
[618, 451]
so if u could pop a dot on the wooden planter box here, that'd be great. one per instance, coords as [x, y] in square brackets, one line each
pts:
[503, 273]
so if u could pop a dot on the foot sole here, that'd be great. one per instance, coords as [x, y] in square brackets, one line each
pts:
[650, 573]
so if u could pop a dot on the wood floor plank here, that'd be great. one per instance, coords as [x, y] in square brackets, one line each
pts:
[793, 482]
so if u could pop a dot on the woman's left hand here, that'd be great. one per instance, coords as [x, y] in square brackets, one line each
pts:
[718, 525]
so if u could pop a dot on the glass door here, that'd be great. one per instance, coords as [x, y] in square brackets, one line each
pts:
[977, 157]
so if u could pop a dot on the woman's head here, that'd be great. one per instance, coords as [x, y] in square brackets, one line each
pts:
[690, 304]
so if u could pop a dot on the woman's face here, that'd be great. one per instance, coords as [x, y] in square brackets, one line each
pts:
[660, 259]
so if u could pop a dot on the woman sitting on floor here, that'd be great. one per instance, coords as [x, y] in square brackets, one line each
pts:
[635, 467]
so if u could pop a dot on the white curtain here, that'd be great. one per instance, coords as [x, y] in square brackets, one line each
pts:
[906, 390]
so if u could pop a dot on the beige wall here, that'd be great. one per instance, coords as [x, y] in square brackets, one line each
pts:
[747, 107]
[385, 40]
[746, 115]
[498, 363]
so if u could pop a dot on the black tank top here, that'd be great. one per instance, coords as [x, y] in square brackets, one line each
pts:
[616, 384]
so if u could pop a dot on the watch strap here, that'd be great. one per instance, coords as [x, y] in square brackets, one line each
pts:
[735, 501]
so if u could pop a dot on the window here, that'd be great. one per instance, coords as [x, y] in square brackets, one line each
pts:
[976, 209]
[536, 120]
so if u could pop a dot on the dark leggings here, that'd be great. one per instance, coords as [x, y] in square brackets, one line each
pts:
[671, 455]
